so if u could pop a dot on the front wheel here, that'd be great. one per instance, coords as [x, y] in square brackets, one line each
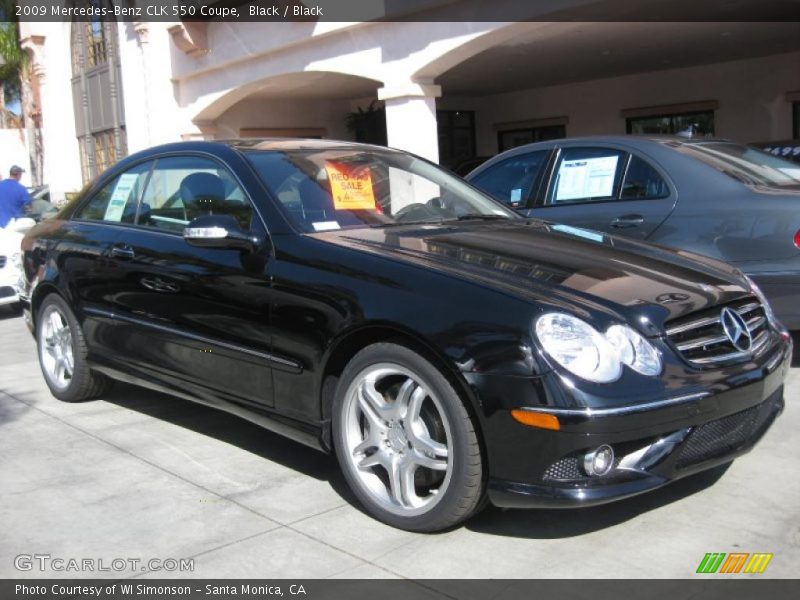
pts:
[62, 354]
[405, 441]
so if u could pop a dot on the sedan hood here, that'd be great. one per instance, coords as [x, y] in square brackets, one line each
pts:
[560, 265]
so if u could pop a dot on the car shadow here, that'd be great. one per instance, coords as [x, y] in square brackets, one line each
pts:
[535, 524]
[9, 313]
[232, 430]
[796, 354]
[565, 523]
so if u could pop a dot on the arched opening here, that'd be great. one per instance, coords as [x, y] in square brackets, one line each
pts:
[310, 104]
[535, 81]
[97, 95]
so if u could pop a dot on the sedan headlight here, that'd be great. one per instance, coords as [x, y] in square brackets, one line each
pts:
[634, 350]
[16, 260]
[591, 355]
[578, 347]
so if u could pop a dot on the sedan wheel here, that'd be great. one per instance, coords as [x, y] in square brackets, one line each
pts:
[405, 441]
[55, 347]
[62, 353]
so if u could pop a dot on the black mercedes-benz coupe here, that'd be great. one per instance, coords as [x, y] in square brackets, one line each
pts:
[365, 302]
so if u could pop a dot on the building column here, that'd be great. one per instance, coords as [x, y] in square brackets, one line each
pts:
[411, 118]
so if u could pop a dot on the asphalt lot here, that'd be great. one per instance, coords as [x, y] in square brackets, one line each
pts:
[143, 475]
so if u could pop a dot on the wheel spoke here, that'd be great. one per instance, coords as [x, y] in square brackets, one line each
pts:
[407, 390]
[423, 443]
[372, 404]
[415, 406]
[56, 323]
[59, 369]
[50, 349]
[395, 481]
[407, 470]
[423, 460]
[370, 461]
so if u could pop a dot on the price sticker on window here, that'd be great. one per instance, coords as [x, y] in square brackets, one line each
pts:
[351, 186]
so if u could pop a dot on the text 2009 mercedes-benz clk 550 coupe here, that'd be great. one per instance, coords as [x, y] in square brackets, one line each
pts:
[365, 302]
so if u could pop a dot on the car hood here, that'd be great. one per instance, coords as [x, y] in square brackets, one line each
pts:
[560, 265]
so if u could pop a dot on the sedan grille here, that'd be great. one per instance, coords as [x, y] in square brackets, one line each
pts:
[701, 338]
[728, 434]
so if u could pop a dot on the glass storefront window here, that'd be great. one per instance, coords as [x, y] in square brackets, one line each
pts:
[691, 124]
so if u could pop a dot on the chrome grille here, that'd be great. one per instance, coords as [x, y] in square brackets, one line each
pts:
[701, 339]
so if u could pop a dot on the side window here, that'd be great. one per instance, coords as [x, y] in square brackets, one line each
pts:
[116, 201]
[642, 182]
[183, 188]
[511, 180]
[586, 175]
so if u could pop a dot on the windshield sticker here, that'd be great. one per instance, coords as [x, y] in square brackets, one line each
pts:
[576, 231]
[119, 198]
[351, 186]
[586, 178]
[325, 225]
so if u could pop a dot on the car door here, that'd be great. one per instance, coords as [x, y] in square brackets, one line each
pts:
[606, 189]
[515, 180]
[197, 318]
[86, 265]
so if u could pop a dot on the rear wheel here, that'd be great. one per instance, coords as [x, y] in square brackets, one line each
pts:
[62, 354]
[405, 441]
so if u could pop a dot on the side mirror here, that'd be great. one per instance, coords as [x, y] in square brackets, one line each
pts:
[220, 231]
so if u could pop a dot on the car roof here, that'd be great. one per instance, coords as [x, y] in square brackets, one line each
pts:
[630, 141]
[255, 144]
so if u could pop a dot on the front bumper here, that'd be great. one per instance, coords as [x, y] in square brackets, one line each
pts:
[535, 468]
[9, 286]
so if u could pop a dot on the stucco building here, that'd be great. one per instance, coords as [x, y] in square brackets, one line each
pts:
[447, 90]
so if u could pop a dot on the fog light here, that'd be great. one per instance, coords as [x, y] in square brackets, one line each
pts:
[598, 462]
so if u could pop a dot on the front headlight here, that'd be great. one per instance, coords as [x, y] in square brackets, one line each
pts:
[634, 350]
[587, 353]
[16, 260]
[578, 347]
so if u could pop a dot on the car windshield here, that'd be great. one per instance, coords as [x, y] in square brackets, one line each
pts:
[328, 189]
[746, 164]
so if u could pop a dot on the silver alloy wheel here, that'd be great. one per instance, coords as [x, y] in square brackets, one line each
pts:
[55, 347]
[384, 428]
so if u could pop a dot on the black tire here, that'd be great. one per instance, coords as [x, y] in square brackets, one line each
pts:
[84, 384]
[464, 491]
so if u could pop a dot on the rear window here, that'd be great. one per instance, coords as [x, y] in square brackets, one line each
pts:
[745, 163]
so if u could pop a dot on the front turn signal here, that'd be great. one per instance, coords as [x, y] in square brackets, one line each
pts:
[536, 419]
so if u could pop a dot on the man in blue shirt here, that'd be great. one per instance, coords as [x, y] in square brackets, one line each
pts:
[13, 197]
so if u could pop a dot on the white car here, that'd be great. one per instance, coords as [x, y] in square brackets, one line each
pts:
[11, 261]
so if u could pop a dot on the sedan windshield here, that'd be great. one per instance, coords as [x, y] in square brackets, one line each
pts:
[745, 163]
[328, 189]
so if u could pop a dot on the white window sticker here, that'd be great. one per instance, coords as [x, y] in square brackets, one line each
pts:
[325, 225]
[516, 195]
[586, 178]
[119, 198]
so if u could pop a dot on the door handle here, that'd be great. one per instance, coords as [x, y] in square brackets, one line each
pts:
[627, 221]
[122, 252]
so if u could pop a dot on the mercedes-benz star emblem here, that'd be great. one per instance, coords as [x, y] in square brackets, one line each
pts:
[736, 329]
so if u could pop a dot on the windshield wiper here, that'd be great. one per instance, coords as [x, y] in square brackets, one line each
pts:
[480, 216]
[402, 223]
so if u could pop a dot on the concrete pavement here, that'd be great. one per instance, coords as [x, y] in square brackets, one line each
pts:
[143, 475]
